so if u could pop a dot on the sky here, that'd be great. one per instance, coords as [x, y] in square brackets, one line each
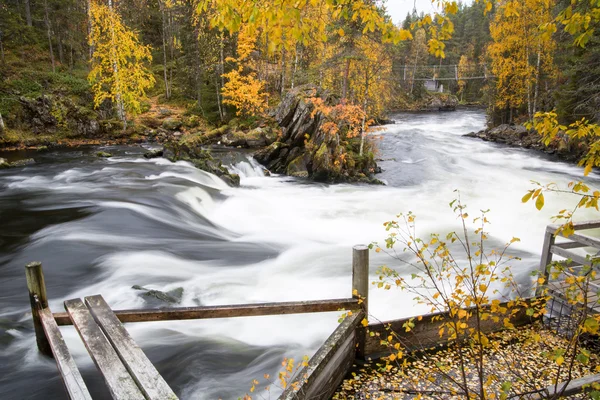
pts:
[398, 9]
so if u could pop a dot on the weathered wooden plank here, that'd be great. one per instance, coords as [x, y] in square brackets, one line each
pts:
[570, 245]
[237, 310]
[69, 372]
[120, 384]
[38, 300]
[326, 369]
[546, 259]
[425, 333]
[578, 226]
[570, 255]
[585, 239]
[569, 388]
[140, 368]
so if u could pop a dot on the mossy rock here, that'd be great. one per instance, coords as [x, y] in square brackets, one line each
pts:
[190, 149]
[172, 124]
[103, 154]
[297, 167]
[234, 139]
[322, 164]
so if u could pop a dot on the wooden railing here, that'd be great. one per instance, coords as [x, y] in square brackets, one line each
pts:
[563, 249]
[322, 375]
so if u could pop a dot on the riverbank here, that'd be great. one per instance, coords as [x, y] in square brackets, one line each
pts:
[563, 147]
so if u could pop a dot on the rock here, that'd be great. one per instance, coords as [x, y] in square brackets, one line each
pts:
[302, 149]
[42, 148]
[297, 168]
[154, 153]
[50, 114]
[172, 296]
[256, 138]
[103, 154]
[22, 163]
[234, 139]
[172, 124]
[438, 102]
[4, 163]
[190, 149]
[512, 135]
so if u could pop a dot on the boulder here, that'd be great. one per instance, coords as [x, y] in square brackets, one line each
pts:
[156, 296]
[4, 163]
[190, 149]
[172, 124]
[154, 153]
[22, 163]
[103, 154]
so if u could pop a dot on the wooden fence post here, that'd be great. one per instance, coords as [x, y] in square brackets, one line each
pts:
[38, 298]
[360, 288]
[545, 260]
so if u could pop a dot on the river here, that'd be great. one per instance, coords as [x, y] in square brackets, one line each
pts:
[104, 225]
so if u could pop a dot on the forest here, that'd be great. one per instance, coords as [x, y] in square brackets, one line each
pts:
[218, 60]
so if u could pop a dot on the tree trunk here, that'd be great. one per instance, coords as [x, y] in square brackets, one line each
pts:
[282, 80]
[28, 13]
[412, 81]
[537, 80]
[89, 29]
[364, 118]
[1, 50]
[164, 43]
[221, 73]
[61, 54]
[1, 124]
[49, 33]
[219, 102]
[345, 81]
[198, 71]
[118, 94]
[528, 86]
[295, 67]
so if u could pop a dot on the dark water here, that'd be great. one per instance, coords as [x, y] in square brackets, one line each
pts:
[104, 225]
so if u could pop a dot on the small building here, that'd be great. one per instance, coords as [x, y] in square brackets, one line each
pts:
[434, 86]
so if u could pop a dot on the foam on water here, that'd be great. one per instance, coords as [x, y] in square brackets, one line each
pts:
[164, 226]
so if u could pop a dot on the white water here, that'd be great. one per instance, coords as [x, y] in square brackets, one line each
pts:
[165, 226]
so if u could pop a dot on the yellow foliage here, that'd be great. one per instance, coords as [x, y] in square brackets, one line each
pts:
[118, 72]
[243, 90]
[517, 44]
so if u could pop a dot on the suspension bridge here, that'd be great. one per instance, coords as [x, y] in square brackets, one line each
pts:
[452, 72]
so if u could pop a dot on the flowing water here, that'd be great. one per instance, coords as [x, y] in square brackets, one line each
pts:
[105, 225]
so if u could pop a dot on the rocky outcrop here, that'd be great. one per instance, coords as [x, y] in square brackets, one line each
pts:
[439, 102]
[254, 138]
[305, 150]
[190, 149]
[519, 136]
[47, 114]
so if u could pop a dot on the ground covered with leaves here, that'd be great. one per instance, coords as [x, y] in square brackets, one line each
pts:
[520, 362]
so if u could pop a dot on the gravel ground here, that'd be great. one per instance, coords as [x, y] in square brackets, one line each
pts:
[514, 357]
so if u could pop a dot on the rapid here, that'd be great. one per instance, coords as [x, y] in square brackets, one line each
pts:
[101, 226]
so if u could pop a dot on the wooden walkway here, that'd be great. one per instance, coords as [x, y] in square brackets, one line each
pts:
[128, 373]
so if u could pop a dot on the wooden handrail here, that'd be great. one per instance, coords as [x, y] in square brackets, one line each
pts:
[228, 311]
